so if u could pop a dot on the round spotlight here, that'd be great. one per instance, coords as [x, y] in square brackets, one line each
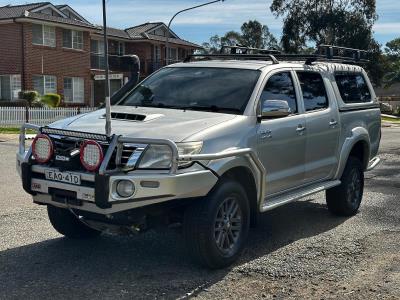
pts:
[42, 148]
[91, 155]
[125, 188]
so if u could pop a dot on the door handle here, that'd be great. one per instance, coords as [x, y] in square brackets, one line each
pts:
[332, 123]
[265, 134]
[300, 128]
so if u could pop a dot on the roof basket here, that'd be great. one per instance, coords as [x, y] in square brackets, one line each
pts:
[324, 53]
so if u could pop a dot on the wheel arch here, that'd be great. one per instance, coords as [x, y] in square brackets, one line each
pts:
[357, 145]
[245, 177]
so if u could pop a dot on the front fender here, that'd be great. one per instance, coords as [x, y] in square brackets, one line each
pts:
[221, 166]
[357, 134]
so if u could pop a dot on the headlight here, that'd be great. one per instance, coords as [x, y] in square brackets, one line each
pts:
[160, 156]
[187, 149]
[156, 157]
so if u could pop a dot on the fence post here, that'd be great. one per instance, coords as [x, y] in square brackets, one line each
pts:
[27, 113]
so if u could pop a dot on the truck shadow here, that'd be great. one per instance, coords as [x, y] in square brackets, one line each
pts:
[152, 265]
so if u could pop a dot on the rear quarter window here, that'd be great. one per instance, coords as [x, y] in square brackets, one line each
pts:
[353, 88]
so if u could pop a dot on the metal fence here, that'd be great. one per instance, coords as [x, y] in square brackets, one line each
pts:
[16, 116]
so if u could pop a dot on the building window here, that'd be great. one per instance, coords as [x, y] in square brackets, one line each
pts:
[74, 90]
[45, 84]
[97, 55]
[121, 48]
[173, 54]
[10, 86]
[157, 53]
[73, 39]
[43, 35]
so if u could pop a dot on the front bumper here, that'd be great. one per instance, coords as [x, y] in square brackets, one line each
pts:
[97, 193]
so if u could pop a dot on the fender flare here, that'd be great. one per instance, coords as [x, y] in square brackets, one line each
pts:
[358, 134]
[222, 166]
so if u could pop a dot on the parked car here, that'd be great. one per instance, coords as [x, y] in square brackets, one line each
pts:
[210, 144]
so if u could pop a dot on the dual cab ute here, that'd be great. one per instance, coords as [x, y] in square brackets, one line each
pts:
[210, 143]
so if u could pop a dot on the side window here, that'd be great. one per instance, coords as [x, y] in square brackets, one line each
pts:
[353, 88]
[314, 92]
[280, 87]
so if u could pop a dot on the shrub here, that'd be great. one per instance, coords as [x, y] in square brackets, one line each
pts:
[51, 100]
[30, 96]
[397, 111]
[386, 108]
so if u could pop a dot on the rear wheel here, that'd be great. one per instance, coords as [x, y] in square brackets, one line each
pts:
[69, 225]
[345, 199]
[216, 227]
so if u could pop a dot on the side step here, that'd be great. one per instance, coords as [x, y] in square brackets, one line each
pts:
[274, 202]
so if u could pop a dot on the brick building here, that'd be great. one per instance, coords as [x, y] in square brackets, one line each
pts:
[53, 49]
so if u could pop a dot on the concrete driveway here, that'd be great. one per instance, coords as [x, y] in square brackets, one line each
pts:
[299, 251]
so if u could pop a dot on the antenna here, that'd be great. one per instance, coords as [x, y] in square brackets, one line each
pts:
[107, 83]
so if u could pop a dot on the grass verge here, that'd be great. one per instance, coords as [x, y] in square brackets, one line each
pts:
[391, 120]
[14, 130]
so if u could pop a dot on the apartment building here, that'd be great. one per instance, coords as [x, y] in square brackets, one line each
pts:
[53, 49]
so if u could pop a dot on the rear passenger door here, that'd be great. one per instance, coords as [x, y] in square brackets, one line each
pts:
[322, 129]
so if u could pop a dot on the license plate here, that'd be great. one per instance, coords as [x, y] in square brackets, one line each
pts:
[66, 177]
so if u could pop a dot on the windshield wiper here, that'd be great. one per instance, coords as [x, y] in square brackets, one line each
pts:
[213, 108]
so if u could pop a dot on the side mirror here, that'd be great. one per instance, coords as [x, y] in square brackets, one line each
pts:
[275, 109]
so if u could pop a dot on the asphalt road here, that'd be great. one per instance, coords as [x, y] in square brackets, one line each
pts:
[299, 251]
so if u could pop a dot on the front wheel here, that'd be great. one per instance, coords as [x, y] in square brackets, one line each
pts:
[68, 225]
[345, 199]
[216, 227]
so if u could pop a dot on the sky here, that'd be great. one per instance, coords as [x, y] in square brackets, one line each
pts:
[198, 25]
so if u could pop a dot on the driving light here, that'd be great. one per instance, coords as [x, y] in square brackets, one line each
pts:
[42, 148]
[125, 188]
[91, 155]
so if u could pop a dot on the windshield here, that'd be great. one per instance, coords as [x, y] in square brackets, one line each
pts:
[191, 88]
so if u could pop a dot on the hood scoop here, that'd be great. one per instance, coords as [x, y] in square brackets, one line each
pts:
[122, 116]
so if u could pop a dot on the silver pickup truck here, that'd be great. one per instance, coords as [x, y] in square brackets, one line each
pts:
[209, 143]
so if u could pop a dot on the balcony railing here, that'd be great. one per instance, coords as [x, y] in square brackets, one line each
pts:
[119, 64]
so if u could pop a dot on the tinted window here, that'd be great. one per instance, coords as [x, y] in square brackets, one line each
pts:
[353, 88]
[313, 88]
[280, 87]
[209, 89]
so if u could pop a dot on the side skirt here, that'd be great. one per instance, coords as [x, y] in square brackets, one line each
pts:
[274, 202]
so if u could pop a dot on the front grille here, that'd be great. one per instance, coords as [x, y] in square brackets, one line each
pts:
[126, 153]
[68, 147]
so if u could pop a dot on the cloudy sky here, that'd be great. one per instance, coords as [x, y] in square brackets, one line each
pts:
[198, 25]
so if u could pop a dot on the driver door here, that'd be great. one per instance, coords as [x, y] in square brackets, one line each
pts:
[282, 141]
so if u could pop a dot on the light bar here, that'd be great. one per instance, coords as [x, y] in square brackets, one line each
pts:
[77, 134]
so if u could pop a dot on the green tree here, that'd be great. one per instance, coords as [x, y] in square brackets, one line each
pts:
[346, 23]
[213, 46]
[253, 34]
[256, 35]
[392, 51]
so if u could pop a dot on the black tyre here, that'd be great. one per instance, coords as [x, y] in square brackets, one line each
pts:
[216, 227]
[345, 199]
[67, 224]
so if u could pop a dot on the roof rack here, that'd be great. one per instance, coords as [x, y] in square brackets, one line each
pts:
[240, 49]
[324, 53]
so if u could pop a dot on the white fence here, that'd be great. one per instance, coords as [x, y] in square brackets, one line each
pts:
[16, 116]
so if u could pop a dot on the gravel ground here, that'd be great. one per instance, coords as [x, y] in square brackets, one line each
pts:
[299, 251]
